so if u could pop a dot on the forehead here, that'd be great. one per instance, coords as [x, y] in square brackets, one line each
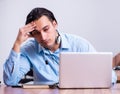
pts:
[42, 22]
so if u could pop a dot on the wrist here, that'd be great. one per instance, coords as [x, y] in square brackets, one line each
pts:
[16, 47]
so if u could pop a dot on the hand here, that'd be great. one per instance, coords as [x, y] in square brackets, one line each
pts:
[23, 35]
[116, 60]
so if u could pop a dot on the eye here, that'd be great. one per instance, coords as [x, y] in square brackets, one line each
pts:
[34, 32]
[46, 29]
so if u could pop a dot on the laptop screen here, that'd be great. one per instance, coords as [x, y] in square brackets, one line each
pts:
[85, 70]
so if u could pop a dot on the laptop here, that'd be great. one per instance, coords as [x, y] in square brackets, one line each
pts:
[85, 70]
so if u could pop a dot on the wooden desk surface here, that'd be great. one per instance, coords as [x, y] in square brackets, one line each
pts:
[113, 90]
[9, 90]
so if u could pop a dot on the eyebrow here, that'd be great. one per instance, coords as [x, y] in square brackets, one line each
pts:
[45, 27]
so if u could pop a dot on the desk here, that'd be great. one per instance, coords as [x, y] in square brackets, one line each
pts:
[9, 90]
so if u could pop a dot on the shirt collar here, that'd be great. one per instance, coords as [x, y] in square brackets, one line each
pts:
[40, 48]
[64, 42]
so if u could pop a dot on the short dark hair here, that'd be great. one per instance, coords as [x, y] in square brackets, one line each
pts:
[36, 13]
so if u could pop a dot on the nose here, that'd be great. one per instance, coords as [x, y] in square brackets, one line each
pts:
[43, 36]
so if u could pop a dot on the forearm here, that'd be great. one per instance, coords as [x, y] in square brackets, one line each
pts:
[14, 69]
[10, 78]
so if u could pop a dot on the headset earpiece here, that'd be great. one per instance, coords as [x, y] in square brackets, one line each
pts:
[58, 39]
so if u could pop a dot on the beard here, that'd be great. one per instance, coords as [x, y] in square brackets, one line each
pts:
[48, 45]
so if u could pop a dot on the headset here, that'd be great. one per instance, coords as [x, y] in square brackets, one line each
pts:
[58, 39]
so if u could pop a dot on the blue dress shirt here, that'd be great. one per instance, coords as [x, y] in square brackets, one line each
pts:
[45, 64]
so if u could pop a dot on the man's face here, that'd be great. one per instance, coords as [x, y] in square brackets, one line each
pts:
[45, 32]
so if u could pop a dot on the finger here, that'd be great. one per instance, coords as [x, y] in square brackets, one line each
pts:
[32, 24]
[30, 36]
[30, 27]
[27, 29]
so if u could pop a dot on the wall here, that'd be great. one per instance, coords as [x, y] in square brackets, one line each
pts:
[96, 20]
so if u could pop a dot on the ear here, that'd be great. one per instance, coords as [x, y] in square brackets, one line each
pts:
[55, 24]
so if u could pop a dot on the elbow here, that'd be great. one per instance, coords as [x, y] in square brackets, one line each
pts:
[9, 81]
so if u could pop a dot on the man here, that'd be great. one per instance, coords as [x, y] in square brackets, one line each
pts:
[41, 53]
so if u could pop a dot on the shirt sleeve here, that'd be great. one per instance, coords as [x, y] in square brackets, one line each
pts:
[15, 67]
[114, 77]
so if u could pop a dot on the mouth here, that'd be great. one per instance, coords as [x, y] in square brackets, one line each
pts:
[45, 43]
